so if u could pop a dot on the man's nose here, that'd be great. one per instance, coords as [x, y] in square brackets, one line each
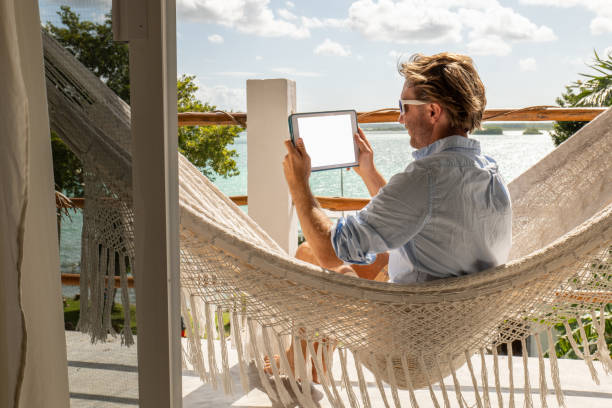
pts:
[401, 118]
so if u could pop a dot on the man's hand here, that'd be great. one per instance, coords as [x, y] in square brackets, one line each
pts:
[373, 180]
[366, 155]
[296, 165]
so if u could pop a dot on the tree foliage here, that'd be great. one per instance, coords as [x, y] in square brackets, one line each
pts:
[206, 146]
[92, 44]
[595, 90]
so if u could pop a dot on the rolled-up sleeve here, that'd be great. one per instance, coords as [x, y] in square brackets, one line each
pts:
[395, 215]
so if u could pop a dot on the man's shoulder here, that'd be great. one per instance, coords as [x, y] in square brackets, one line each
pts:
[445, 159]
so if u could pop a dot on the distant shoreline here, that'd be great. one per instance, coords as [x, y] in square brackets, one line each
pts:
[520, 126]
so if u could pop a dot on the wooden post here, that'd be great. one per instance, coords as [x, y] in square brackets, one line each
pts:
[152, 36]
[269, 103]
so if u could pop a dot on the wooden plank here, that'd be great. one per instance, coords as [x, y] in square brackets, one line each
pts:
[530, 114]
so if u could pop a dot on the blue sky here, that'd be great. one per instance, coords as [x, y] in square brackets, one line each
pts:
[343, 54]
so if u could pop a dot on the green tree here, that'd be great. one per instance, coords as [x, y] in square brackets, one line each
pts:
[206, 146]
[92, 44]
[595, 90]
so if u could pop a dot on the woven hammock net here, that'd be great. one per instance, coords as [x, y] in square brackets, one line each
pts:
[409, 336]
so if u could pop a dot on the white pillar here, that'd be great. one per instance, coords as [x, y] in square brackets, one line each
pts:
[269, 103]
[155, 181]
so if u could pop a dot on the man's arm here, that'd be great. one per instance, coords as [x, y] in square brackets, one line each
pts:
[373, 180]
[316, 226]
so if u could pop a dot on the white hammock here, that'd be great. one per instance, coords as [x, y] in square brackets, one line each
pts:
[410, 336]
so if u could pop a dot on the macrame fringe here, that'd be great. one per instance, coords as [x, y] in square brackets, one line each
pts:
[455, 382]
[485, 380]
[392, 382]
[319, 369]
[554, 369]
[580, 354]
[442, 385]
[210, 340]
[542, 371]
[525, 355]
[510, 375]
[323, 353]
[603, 353]
[259, 362]
[363, 388]
[345, 379]
[428, 379]
[237, 336]
[500, 400]
[253, 340]
[227, 378]
[468, 359]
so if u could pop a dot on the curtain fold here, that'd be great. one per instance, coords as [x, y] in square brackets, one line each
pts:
[14, 139]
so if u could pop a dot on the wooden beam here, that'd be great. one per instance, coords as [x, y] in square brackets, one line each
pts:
[74, 279]
[329, 203]
[530, 114]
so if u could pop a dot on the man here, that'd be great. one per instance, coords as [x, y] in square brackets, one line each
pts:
[447, 214]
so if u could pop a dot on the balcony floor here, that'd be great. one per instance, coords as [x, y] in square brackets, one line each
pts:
[105, 375]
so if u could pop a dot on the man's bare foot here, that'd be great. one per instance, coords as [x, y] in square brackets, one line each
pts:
[268, 366]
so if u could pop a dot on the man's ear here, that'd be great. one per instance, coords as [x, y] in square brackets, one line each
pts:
[435, 112]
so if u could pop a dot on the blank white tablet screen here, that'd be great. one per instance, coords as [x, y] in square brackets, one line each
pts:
[328, 139]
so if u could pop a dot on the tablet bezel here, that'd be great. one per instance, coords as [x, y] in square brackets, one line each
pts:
[295, 134]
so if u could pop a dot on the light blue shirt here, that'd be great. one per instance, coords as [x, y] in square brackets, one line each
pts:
[447, 214]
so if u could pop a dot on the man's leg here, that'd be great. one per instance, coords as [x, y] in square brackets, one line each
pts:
[371, 271]
[374, 271]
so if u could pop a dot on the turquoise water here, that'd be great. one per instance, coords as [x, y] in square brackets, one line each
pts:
[513, 151]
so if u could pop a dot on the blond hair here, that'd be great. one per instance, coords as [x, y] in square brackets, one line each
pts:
[450, 80]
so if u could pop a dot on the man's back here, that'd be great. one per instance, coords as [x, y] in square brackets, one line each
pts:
[469, 216]
[447, 214]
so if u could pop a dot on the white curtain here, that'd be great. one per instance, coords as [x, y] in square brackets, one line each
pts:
[14, 137]
[33, 367]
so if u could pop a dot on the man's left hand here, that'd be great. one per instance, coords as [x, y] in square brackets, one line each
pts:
[296, 164]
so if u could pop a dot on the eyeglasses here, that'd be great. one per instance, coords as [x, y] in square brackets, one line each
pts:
[403, 102]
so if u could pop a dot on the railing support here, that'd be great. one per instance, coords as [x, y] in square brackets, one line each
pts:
[269, 103]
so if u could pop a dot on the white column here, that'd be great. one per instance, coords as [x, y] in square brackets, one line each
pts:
[269, 103]
[155, 183]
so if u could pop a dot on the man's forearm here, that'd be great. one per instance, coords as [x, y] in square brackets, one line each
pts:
[316, 226]
[374, 181]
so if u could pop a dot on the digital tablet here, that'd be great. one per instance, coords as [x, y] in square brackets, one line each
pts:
[328, 138]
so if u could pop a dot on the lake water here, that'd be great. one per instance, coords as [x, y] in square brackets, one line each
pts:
[513, 151]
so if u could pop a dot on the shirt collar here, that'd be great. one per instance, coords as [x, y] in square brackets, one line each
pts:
[450, 143]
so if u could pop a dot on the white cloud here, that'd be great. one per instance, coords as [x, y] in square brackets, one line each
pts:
[292, 72]
[246, 16]
[239, 74]
[258, 57]
[490, 45]
[528, 64]
[223, 97]
[332, 48]
[436, 21]
[290, 4]
[286, 14]
[601, 23]
[215, 39]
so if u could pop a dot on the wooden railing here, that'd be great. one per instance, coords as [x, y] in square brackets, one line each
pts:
[530, 114]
